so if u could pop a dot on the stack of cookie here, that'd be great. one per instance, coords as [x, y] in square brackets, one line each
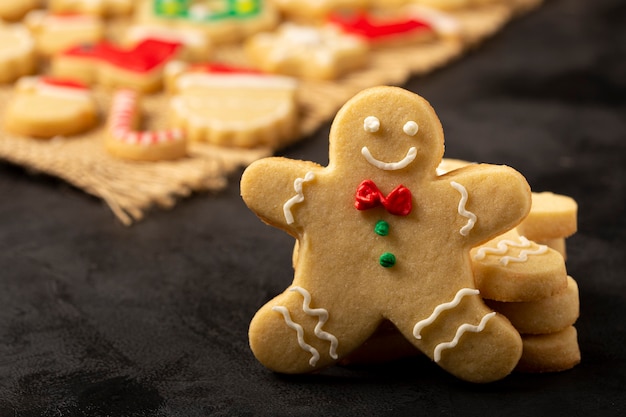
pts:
[528, 283]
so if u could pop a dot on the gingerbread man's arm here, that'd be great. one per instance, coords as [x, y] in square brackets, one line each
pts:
[274, 188]
[490, 200]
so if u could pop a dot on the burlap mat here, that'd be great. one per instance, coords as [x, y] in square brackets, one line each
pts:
[130, 189]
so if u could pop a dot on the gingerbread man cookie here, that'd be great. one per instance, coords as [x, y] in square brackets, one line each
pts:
[382, 236]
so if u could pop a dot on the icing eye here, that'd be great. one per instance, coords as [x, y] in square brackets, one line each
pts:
[371, 124]
[410, 128]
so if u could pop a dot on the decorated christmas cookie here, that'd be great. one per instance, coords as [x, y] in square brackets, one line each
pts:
[94, 7]
[513, 268]
[17, 52]
[383, 237]
[48, 107]
[384, 30]
[307, 51]
[222, 21]
[124, 141]
[195, 45]
[139, 67]
[317, 10]
[233, 107]
[54, 33]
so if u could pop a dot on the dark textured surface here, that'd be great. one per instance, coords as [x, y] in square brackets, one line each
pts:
[101, 320]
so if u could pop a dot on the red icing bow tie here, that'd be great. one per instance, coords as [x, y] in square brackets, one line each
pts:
[398, 202]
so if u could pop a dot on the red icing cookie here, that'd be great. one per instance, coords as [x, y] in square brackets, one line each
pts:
[139, 67]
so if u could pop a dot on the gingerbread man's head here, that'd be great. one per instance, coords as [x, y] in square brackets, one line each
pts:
[387, 130]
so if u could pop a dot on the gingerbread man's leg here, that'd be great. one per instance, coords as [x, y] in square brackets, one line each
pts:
[465, 337]
[294, 333]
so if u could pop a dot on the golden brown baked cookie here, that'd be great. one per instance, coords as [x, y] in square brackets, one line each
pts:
[221, 21]
[124, 141]
[195, 45]
[233, 107]
[54, 33]
[43, 107]
[545, 315]
[383, 237]
[93, 7]
[139, 67]
[14, 10]
[552, 216]
[311, 52]
[551, 352]
[513, 268]
[17, 52]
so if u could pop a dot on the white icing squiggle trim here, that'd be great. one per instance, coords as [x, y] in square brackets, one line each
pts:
[463, 292]
[464, 328]
[371, 124]
[300, 332]
[322, 316]
[410, 128]
[471, 217]
[503, 247]
[523, 255]
[390, 166]
[298, 198]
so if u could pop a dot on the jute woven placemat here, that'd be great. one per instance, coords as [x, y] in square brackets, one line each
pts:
[130, 189]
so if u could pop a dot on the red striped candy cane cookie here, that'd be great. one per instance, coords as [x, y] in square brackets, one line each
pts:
[124, 141]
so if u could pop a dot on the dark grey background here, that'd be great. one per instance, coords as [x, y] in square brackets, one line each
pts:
[101, 320]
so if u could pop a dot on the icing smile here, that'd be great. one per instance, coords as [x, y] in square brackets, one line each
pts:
[390, 166]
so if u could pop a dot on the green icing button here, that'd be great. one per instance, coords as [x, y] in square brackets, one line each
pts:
[387, 260]
[381, 228]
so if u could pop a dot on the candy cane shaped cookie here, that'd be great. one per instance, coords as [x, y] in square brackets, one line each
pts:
[123, 141]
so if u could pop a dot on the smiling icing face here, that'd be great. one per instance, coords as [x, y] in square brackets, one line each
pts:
[404, 139]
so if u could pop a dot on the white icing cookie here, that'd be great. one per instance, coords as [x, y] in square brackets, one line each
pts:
[235, 109]
[513, 268]
[382, 237]
[310, 52]
[44, 108]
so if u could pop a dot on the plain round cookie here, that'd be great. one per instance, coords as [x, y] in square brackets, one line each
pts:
[552, 216]
[547, 315]
[551, 352]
